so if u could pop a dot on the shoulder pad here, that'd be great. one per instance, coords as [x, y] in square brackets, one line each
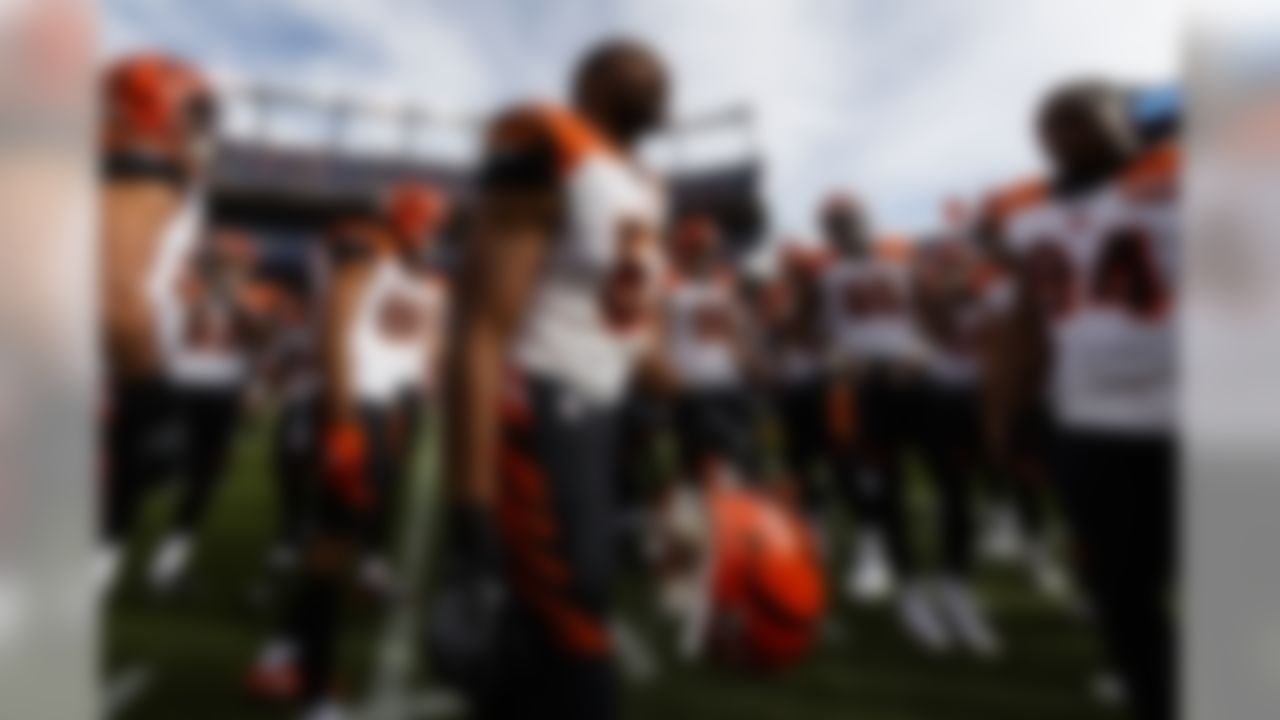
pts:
[544, 134]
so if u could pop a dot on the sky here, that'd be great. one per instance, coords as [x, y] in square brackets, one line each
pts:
[903, 103]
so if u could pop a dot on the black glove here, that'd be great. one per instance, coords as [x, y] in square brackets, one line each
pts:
[467, 607]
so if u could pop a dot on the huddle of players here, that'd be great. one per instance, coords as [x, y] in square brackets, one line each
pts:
[1035, 342]
[1053, 330]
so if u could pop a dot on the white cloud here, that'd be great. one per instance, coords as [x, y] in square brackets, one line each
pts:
[903, 102]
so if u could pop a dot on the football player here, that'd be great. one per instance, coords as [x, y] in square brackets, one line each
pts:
[1095, 314]
[947, 293]
[794, 331]
[379, 326]
[1016, 439]
[157, 124]
[707, 350]
[397, 343]
[878, 359]
[556, 304]
[221, 320]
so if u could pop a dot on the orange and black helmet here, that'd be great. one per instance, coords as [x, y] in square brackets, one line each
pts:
[414, 212]
[155, 104]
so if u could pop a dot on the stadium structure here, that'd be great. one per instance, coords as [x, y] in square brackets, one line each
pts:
[284, 191]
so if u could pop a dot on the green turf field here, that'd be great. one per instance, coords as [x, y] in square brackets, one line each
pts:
[184, 658]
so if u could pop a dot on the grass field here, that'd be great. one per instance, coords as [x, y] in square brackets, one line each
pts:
[183, 658]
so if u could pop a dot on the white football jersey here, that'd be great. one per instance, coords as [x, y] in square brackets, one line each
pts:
[954, 360]
[211, 353]
[1105, 265]
[868, 313]
[592, 311]
[956, 294]
[792, 335]
[176, 248]
[393, 335]
[702, 321]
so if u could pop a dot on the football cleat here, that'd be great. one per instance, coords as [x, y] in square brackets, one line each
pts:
[964, 615]
[920, 619]
[1002, 539]
[1046, 572]
[869, 579]
[414, 211]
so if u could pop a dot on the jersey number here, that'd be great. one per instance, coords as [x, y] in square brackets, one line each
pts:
[1124, 276]
[400, 319]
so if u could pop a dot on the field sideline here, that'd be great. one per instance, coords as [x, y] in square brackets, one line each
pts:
[191, 651]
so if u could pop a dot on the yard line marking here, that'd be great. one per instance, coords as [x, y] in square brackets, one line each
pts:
[397, 649]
